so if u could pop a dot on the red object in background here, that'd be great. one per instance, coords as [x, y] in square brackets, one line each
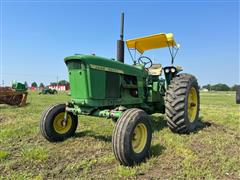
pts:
[33, 88]
[59, 87]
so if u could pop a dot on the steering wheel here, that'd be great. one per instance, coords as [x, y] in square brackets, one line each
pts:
[146, 61]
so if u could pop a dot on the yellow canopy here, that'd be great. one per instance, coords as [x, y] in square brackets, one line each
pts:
[152, 42]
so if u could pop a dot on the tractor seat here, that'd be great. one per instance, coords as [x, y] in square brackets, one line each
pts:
[155, 70]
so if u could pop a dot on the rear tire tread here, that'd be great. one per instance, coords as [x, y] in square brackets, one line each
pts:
[176, 96]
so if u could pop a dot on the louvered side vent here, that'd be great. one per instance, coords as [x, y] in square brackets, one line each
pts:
[112, 85]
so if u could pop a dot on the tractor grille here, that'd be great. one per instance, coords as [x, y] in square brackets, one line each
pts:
[112, 85]
[73, 64]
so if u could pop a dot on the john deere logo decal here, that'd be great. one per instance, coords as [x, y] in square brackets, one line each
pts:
[102, 68]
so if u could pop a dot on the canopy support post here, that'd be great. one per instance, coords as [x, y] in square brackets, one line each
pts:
[172, 53]
[134, 61]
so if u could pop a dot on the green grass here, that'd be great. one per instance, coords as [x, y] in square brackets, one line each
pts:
[211, 153]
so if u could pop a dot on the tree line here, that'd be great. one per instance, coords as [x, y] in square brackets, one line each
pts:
[220, 87]
[209, 87]
[41, 85]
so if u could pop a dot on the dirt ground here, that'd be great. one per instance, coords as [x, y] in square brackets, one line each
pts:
[212, 152]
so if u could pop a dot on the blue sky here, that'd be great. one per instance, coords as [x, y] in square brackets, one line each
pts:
[37, 35]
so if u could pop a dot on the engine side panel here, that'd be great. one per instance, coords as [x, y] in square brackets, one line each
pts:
[99, 82]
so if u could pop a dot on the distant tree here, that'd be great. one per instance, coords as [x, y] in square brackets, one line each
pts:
[53, 83]
[220, 87]
[208, 87]
[63, 82]
[34, 84]
[41, 85]
[217, 87]
[26, 84]
[234, 87]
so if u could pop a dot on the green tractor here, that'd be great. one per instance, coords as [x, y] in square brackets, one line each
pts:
[47, 90]
[127, 94]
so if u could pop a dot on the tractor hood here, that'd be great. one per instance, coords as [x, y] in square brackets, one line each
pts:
[104, 64]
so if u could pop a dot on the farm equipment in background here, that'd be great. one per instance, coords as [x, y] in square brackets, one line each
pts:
[127, 94]
[48, 91]
[238, 95]
[15, 95]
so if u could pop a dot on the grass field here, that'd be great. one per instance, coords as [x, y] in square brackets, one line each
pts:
[212, 152]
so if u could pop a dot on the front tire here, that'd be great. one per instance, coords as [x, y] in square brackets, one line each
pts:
[182, 104]
[52, 126]
[132, 137]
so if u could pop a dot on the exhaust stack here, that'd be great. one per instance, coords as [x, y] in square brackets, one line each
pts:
[120, 43]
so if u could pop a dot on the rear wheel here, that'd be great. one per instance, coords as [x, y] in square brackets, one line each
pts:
[182, 104]
[132, 136]
[52, 124]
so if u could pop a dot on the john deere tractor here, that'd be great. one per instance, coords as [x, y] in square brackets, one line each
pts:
[47, 90]
[127, 94]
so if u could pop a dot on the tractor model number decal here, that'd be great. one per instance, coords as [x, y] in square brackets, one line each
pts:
[102, 68]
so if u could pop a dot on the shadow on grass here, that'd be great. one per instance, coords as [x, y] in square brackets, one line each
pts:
[156, 150]
[199, 125]
[158, 123]
[89, 133]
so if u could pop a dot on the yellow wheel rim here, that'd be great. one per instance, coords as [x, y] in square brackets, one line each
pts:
[58, 123]
[139, 138]
[192, 104]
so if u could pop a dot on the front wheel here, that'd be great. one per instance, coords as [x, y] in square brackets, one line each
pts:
[132, 137]
[52, 124]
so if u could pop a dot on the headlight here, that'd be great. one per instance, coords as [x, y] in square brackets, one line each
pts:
[173, 70]
[166, 70]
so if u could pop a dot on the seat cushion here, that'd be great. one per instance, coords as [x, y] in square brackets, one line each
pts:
[155, 70]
